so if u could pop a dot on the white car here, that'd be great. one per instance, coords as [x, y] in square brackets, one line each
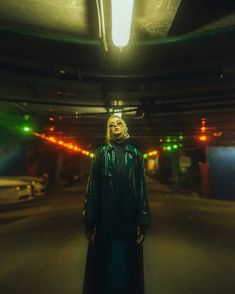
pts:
[39, 188]
[14, 191]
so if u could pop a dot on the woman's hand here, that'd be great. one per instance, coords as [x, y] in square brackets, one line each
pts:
[140, 235]
[90, 235]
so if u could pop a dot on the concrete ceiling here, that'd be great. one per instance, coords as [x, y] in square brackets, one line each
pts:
[178, 67]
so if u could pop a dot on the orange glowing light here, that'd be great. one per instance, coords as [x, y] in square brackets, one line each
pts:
[152, 153]
[52, 139]
[64, 144]
[217, 134]
[203, 129]
[203, 138]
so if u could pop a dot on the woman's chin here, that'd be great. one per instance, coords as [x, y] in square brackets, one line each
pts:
[117, 134]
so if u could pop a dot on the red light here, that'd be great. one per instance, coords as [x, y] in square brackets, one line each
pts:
[51, 118]
[203, 120]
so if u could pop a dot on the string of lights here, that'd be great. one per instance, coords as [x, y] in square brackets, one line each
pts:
[59, 142]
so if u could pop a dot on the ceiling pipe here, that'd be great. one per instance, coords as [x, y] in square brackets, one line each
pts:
[162, 41]
[201, 112]
[187, 37]
[99, 18]
[21, 107]
[53, 36]
[102, 24]
[52, 103]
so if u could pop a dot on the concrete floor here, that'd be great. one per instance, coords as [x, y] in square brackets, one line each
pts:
[189, 249]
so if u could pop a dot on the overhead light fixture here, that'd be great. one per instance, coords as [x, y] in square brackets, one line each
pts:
[121, 21]
[118, 112]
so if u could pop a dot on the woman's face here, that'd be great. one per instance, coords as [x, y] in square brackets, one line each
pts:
[116, 126]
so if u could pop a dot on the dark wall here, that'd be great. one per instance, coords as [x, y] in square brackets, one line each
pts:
[13, 159]
[221, 164]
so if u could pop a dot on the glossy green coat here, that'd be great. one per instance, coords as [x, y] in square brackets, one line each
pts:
[103, 187]
[115, 205]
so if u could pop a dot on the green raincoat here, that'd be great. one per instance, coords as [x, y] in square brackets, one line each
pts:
[115, 205]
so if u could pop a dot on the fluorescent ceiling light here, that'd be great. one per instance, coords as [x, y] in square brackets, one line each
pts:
[121, 21]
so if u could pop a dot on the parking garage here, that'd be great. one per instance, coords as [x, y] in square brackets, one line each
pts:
[62, 77]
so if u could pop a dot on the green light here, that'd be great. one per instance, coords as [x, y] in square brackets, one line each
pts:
[168, 148]
[27, 129]
[145, 155]
[181, 137]
[26, 117]
[175, 146]
[168, 139]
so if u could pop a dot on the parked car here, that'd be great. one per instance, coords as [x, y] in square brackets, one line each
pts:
[38, 183]
[14, 191]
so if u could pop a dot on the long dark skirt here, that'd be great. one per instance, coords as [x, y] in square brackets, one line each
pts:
[114, 265]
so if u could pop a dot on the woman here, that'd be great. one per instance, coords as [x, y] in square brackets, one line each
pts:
[116, 216]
